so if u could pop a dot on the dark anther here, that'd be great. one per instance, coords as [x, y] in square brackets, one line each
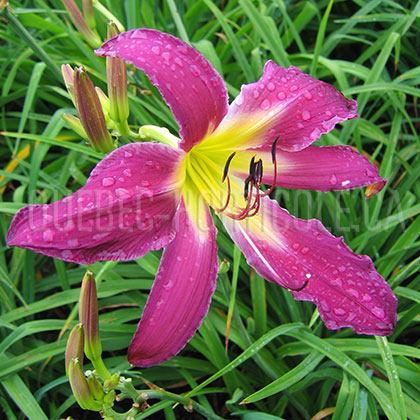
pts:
[252, 168]
[259, 172]
[226, 170]
[246, 186]
[273, 150]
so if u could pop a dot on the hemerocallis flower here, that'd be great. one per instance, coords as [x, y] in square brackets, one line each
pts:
[145, 196]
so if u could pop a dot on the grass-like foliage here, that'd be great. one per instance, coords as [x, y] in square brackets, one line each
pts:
[281, 361]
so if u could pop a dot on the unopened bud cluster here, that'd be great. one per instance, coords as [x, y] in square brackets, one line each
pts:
[98, 113]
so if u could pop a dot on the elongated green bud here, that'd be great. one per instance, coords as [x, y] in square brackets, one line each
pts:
[75, 124]
[74, 347]
[80, 387]
[116, 71]
[95, 387]
[88, 316]
[90, 112]
[80, 23]
[88, 14]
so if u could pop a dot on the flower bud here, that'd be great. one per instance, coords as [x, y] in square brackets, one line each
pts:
[116, 71]
[95, 387]
[74, 347]
[112, 382]
[90, 112]
[68, 77]
[75, 125]
[110, 398]
[88, 315]
[79, 22]
[80, 387]
[88, 14]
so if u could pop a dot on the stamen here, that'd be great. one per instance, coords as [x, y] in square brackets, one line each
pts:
[274, 160]
[226, 170]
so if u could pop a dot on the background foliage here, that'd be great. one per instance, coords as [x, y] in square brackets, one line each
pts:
[280, 357]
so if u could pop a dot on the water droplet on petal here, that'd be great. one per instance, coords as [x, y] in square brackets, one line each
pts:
[156, 50]
[72, 243]
[265, 104]
[300, 125]
[304, 250]
[340, 312]
[293, 88]
[382, 292]
[366, 298]
[307, 95]
[256, 94]
[328, 113]
[66, 254]
[333, 179]
[179, 62]
[354, 293]
[47, 235]
[145, 183]
[379, 312]
[128, 154]
[168, 285]
[127, 172]
[150, 163]
[295, 246]
[271, 86]
[178, 258]
[281, 96]
[195, 70]
[239, 100]
[107, 182]
[122, 193]
[167, 56]
[306, 115]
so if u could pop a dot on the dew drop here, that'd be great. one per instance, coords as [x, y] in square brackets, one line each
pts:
[256, 94]
[128, 154]
[167, 56]
[72, 243]
[150, 163]
[354, 293]
[178, 258]
[122, 193]
[333, 179]
[307, 95]
[366, 298]
[127, 172]
[300, 125]
[382, 292]
[270, 86]
[293, 88]
[306, 115]
[145, 183]
[304, 250]
[281, 96]
[295, 246]
[168, 285]
[107, 182]
[66, 254]
[265, 104]
[47, 235]
[340, 312]
[156, 50]
[195, 70]
[379, 312]
[328, 113]
[239, 100]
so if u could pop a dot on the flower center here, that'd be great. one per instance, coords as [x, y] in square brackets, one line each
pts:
[223, 192]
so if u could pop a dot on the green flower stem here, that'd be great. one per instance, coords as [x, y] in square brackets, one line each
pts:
[123, 128]
[101, 369]
[105, 12]
[162, 134]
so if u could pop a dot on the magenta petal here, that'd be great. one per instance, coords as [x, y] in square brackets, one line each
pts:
[190, 85]
[293, 253]
[125, 209]
[181, 293]
[322, 168]
[295, 106]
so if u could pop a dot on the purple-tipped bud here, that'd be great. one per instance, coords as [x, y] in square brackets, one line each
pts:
[116, 71]
[88, 316]
[80, 23]
[90, 112]
[74, 347]
[87, 7]
[68, 77]
[80, 387]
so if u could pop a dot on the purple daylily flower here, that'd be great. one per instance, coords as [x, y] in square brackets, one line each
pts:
[145, 196]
